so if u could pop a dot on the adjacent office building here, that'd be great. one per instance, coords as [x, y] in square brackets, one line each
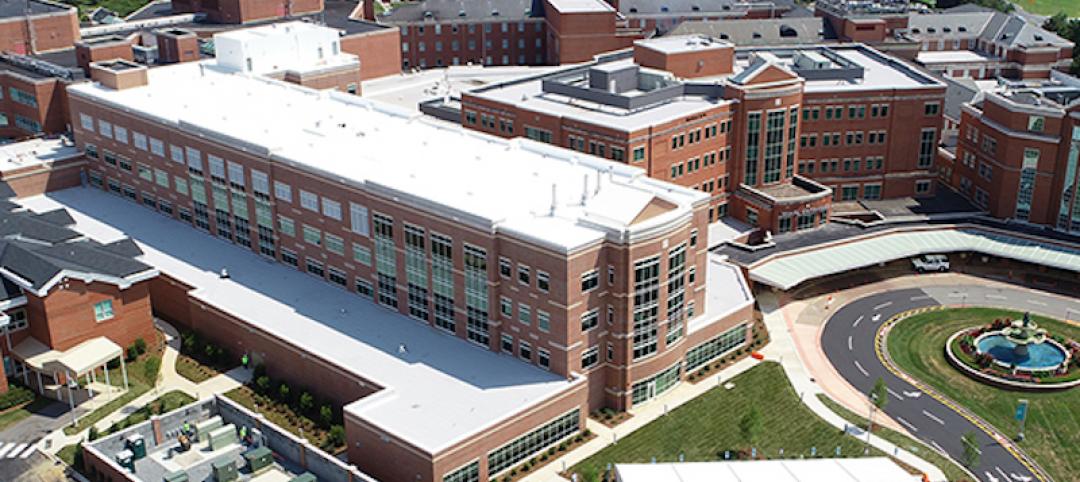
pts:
[771, 135]
[579, 282]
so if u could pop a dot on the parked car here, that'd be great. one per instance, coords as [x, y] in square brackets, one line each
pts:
[931, 263]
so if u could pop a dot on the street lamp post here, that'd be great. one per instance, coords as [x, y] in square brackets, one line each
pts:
[870, 426]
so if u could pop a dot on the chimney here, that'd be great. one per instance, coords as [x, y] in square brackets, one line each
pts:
[368, 12]
[118, 74]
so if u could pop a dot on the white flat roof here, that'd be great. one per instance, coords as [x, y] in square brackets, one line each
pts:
[477, 179]
[952, 56]
[35, 152]
[581, 6]
[726, 291]
[877, 74]
[871, 469]
[409, 89]
[442, 390]
[785, 271]
[682, 43]
[531, 96]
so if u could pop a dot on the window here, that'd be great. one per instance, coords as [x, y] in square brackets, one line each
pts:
[335, 244]
[543, 358]
[931, 108]
[524, 314]
[139, 140]
[753, 136]
[543, 281]
[364, 288]
[646, 310]
[120, 134]
[358, 219]
[523, 274]
[525, 350]
[590, 319]
[315, 267]
[927, 145]
[506, 343]
[26, 98]
[1036, 123]
[103, 310]
[590, 357]
[543, 320]
[716, 347]
[525, 446]
[506, 306]
[1026, 190]
[468, 473]
[86, 122]
[312, 235]
[290, 258]
[537, 134]
[505, 269]
[286, 226]
[331, 209]
[157, 147]
[590, 280]
[639, 154]
[922, 186]
[309, 200]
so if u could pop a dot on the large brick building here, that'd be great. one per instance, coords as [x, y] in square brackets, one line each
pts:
[1016, 153]
[578, 282]
[437, 33]
[34, 100]
[247, 11]
[965, 41]
[771, 134]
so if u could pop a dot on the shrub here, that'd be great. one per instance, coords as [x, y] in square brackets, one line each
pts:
[92, 435]
[283, 392]
[586, 432]
[140, 345]
[336, 436]
[326, 415]
[131, 354]
[150, 369]
[306, 402]
[16, 395]
[262, 384]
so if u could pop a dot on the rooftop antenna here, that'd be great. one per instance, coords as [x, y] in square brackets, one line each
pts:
[585, 189]
[554, 197]
[599, 180]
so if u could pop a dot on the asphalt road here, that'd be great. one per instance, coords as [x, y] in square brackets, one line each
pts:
[848, 341]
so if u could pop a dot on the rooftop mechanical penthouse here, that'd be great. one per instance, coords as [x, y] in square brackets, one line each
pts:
[514, 285]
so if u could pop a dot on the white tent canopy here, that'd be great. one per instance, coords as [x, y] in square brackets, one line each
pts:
[787, 270]
[871, 469]
[78, 360]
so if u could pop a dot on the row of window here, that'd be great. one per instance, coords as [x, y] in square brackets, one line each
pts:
[719, 184]
[600, 149]
[486, 60]
[693, 165]
[455, 45]
[836, 112]
[694, 136]
[851, 164]
[525, 351]
[437, 29]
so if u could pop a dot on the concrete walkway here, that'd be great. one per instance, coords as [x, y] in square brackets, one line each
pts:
[168, 380]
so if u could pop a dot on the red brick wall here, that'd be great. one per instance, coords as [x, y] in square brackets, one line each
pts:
[51, 32]
[692, 64]
[50, 112]
[379, 52]
[245, 11]
[85, 53]
[521, 46]
[36, 180]
[65, 316]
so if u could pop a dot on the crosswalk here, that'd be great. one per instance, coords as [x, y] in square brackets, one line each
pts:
[15, 450]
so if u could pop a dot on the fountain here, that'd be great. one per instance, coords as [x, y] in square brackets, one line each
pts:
[1022, 346]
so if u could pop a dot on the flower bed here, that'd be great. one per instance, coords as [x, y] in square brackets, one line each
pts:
[963, 347]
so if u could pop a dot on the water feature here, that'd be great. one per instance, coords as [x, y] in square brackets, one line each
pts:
[1037, 356]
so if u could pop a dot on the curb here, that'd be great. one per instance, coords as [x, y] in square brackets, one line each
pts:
[882, 352]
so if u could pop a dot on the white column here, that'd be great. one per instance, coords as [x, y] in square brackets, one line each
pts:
[40, 386]
[89, 391]
[108, 385]
[123, 370]
[25, 378]
[71, 398]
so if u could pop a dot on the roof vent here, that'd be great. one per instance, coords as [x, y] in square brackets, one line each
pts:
[664, 8]
[633, 9]
[931, 30]
[915, 30]
[961, 28]
[428, 15]
[695, 8]
[946, 29]
[788, 31]
[1038, 38]
[461, 13]
[724, 36]
[757, 35]
[495, 13]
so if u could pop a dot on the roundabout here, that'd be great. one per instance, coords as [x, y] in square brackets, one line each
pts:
[856, 341]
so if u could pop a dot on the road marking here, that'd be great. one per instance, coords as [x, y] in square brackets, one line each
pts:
[933, 417]
[861, 369]
[996, 297]
[906, 424]
[876, 317]
[938, 447]
[920, 297]
[29, 451]
[990, 477]
[897, 395]
[915, 394]
[1002, 472]
[6, 448]
[18, 448]
[849, 343]
[857, 320]
[878, 307]
[1021, 478]
[957, 295]
[1035, 302]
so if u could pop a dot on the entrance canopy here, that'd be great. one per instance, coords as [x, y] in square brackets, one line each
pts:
[787, 270]
[78, 360]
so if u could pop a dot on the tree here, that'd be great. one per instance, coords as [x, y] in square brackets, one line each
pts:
[140, 345]
[880, 394]
[971, 449]
[750, 426]
[1057, 23]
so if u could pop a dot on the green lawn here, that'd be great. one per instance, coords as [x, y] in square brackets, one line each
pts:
[1053, 425]
[191, 369]
[12, 417]
[1050, 7]
[705, 427]
[163, 404]
[952, 471]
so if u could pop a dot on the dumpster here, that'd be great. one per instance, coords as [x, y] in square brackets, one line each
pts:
[224, 470]
[178, 476]
[222, 437]
[137, 445]
[126, 459]
[258, 459]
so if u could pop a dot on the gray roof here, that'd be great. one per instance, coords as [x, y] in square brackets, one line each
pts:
[335, 14]
[12, 8]
[957, 93]
[989, 26]
[37, 247]
[464, 10]
[771, 31]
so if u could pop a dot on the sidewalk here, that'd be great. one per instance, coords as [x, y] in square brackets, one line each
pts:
[168, 380]
[783, 345]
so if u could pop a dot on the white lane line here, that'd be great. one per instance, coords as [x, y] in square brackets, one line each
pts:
[18, 448]
[897, 395]
[933, 417]
[876, 317]
[990, 477]
[6, 448]
[857, 320]
[883, 305]
[957, 295]
[29, 451]
[935, 444]
[861, 369]
[849, 343]
[906, 424]
[1036, 302]
[915, 394]
[1002, 472]
[995, 297]
[920, 297]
